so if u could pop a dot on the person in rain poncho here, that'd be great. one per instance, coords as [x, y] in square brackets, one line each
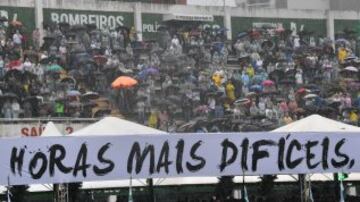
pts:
[217, 79]
[230, 91]
[342, 54]
[153, 119]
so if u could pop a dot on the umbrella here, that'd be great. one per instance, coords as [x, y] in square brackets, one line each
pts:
[100, 59]
[341, 40]
[15, 64]
[49, 39]
[242, 101]
[68, 79]
[351, 58]
[45, 60]
[351, 69]
[310, 96]
[123, 82]
[54, 68]
[242, 34]
[13, 73]
[101, 113]
[78, 28]
[268, 83]
[301, 90]
[33, 99]
[91, 26]
[256, 88]
[3, 19]
[73, 93]
[74, 104]
[267, 43]
[251, 94]
[9, 96]
[89, 104]
[90, 95]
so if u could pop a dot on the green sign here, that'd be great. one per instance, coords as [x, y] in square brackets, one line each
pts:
[216, 24]
[243, 24]
[23, 14]
[341, 25]
[102, 19]
[151, 23]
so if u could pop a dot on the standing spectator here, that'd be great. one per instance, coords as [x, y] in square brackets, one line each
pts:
[2, 65]
[153, 119]
[6, 109]
[15, 108]
[17, 39]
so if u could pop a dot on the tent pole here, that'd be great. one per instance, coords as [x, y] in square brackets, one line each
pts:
[151, 189]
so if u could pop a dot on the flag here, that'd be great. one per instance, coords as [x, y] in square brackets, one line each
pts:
[8, 194]
[130, 192]
[342, 199]
[311, 197]
[245, 196]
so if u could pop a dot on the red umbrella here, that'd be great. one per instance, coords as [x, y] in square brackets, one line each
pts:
[268, 83]
[15, 64]
[124, 82]
[301, 91]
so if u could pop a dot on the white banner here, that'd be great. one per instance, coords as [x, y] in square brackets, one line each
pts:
[77, 159]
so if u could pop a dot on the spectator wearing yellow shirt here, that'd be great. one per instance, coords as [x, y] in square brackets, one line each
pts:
[153, 120]
[342, 54]
[230, 91]
[354, 118]
[250, 71]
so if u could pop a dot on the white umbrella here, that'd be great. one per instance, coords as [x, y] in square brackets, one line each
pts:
[310, 96]
[351, 69]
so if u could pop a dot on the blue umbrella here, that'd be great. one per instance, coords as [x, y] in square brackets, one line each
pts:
[242, 34]
[73, 93]
[148, 71]
[256, 88]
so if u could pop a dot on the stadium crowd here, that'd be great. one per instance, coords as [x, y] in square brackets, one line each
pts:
[187, 79]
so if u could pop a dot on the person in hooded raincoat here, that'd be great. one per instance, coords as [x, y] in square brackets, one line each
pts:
[342, 54]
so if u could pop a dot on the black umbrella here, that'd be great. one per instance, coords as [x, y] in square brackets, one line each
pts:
[32, 99]
[162, 28]
[78, 28]
[49, 39]
[91, 27]
[89, 104]
[13, 73]
[90, 96]
[267, 43]
[45, 61]
[63, 24]
[3, 19]
[122, 28]
[101, 113]
[9, 96]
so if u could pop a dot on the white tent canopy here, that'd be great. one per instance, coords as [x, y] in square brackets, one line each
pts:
[116, 126]
[317, 123]
[51, 130]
